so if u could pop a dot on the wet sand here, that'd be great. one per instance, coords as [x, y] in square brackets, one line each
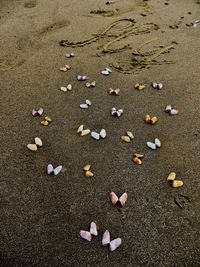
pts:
[41, 215]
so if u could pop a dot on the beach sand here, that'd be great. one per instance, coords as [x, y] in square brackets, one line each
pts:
[41, 215]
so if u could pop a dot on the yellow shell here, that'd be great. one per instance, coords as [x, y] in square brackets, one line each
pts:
[85, 132]
[136, 160]
[177, 183]
[137, 85]
[130, 134]
[45, 123]
[153, 120]
[32, 147]
[48, 119]
[138, 155]
[147, 118]
[171, 176]
[89, 174]
[141, 87]
[87, 167]
[126, 138]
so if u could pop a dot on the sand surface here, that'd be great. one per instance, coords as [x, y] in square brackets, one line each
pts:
[41, 215]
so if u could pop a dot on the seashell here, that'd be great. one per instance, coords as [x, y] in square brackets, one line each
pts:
[102, 133]
[70, 55]
[80, 128]
[86, 235]
[174, 112]
[154, 120]
[57, 170]
[151, 145]
[147, 118]
[65, 68]
[138, 155]
[45, 123]
[51, 170]
[84, 106]
[88, 85]
[38, 141]
[32, 147]
[126, 138]
[130, 134]
[137, 85]
[88, 102]
[69, 87]
[64, 89]
[114, 244]
[177, 183]
[136, 160]
[48, 119]
[154, 85]
[113, 198]
[105, 72]
[157, 142]
[84, 78]
[89, 174]
[79, 77]
[168, 108]
[85, 132]
[106, 238]
[95, 135]
[93, 229]
[87, 167]
[109, 70]
[141, 87]
[38, 112]
[160, 85]
[171, 176]
[123, 199]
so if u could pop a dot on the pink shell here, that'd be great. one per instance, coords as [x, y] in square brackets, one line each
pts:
[86, 235]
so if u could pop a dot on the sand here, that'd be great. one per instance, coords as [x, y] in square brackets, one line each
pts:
[41, 215]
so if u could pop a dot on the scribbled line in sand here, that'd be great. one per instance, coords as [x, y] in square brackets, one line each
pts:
[141, 60]
[117, 35]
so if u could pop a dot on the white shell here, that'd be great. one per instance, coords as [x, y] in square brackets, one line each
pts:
[93, 229]
[84, 106]
[69, 87]
[114, 244]
[64, 89]
[88, 102]
[32, 147]
[109, 70]
[154, 85]
[157, 142]
[160, 85]
[106, 238]
[86, 235]
[49, 168]
[173, 112]
[95, 135]
[103, 133]
[151, 145]
[57, 170]
[105, 72]
[38, 141]
[168, 108]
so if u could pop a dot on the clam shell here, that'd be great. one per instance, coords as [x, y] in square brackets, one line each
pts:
[69, 87]
[130, 134]
[147, 118]
[64, 89]
[32, 147]
[85, 132]
[105, 72]
[177, 183]
[154, 85]
[89, 174]
[93, 229]
[87, 167]
[123, 199]
[86, 235]
[168, 108]
[151, 145]
[137, 85]
[95, 135]
[114, 244]
[88, 102]
[57, 170]
[141, 87]
[83, 106]
[47, 118]
[38, 141]
[157, 142]
[40, 111]
[113, 198]
[106, 238]
[154, 120]
[126, 138]
[80, 128]
[45, 123]
[171, 176]
[136, 160]
[50, 168]
[138, 155]
[173, 112]
[103, 133]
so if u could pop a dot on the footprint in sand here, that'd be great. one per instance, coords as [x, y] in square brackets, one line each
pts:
[30, 3]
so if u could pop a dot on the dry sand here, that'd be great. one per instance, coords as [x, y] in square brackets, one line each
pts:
[40, 215]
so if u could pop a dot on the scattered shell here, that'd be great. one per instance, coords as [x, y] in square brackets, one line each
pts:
[93, 229]
[106, 71]
[174, 112]
[154, 120]
[147, 118]
[157, 85]
[106, 238]
[88, 102]
[114, 91]
[130, 134]
[177, 183]
[157, 142]
[92, 84]
[126, 138]
[113, 198]
[65, 68]
[52, 170]
[139, 86]
[38, 112]
[32, 147]
[87, 167]
[171, 176]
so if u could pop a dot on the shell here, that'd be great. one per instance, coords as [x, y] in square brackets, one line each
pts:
[159, 86]
[57, 170]
[177, 183]
[38, 141]
[137, 85]
[88, 102]
[85, 132]
[80, 128]
[87, 167]
[174, 112]
[126, 138]
[47, 118]
[32, 147]
[138, 155]
[106, 238]
[95, 135]
[45, 123]
[69, 87]
[130, 134]
[64, 89]
[89, 174]
[151, 145]
[103, 133]
[147, 118]
[168, 108]
[154, 120]
[157, 142]
[114, 244]
[154, 85]
[93, 229]
[83, 106]
[86, 235]
[123, 199]
[105, 72]
[171, 176]
[113, 198]
[50, 168]
[141, 87]
[136, 160]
